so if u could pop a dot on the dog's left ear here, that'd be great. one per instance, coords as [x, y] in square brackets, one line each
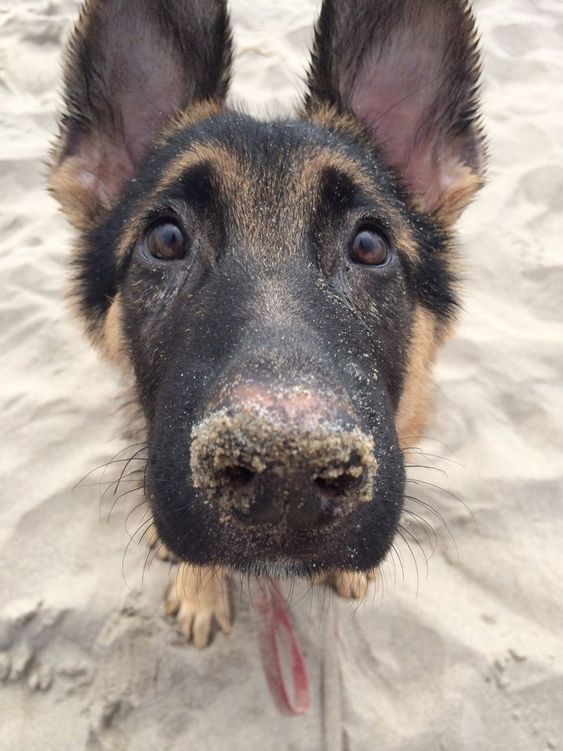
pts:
[409, 71]
[131, 66]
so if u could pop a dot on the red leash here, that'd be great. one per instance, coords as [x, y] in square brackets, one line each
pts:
[278, 642]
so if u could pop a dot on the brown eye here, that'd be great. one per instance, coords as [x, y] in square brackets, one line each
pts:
[166, 241]
[369, 248]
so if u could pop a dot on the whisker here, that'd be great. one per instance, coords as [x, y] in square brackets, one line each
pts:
[132, 458]
[101, 466]
[146, 525]
[436, 513]
[429, 438]
[450, 494]
[399, 532]
[419, 546]
[420, 452]
[108, 482]
[119, 497]
[426, 466]
[396, 552]
[133, 510]
[431, 536]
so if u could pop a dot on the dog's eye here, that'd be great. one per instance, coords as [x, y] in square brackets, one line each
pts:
[166, 241]
[369, 248]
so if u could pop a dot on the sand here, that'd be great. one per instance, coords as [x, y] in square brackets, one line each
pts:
[465, 655]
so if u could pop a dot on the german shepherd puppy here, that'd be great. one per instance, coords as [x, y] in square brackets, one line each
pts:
[277, 290]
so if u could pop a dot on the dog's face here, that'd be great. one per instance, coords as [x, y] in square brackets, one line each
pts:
[278, 289]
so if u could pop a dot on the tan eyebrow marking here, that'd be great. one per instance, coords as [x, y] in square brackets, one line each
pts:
[308, 181]
[196, 155]
[243, 181]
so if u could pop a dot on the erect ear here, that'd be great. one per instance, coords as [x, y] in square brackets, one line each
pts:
[131, 66]
[409, 71]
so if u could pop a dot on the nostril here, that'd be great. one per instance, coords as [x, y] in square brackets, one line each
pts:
[239, 476]
[341, 485]
[239, 487]
[335, 493]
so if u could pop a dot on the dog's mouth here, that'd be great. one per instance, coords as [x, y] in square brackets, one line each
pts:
[207, 532]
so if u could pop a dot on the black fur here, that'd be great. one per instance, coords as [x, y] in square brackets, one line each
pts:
[268, 292]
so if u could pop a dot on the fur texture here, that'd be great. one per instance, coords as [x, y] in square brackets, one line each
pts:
[267, 311]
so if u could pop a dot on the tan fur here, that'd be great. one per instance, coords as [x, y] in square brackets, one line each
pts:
[350, 585]
[112, 338]
[193, 114]
[84, 201]
[459, 195]
[463, 185]
[415, 400]
[308, 181]
[77, 200]
[224, 161]
[329, 117]
[241, 184]
[199, 598]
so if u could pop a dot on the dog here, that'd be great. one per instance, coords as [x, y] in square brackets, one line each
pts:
[278, 290]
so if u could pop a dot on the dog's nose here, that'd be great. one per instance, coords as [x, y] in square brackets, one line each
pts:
[297, 458]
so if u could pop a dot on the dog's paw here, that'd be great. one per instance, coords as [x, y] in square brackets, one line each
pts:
[351, 585]
[199, 598]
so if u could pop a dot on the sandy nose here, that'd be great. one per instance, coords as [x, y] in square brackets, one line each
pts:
[295, 457]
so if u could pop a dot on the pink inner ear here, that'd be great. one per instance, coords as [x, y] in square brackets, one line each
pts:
[111, 159]
[102, 168]
[143, 121]
[146, 87]
[393, 94]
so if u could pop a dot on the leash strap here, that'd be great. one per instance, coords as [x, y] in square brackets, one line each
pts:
[279, 643]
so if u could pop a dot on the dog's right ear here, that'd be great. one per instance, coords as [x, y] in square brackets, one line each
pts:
[132, 65]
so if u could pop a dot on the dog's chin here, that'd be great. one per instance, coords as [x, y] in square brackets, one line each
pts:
[357, 542]
[284, 560]
[353, 546]
[287, 564]
[283, 568]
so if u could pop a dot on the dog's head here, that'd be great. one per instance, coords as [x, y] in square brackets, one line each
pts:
[278, 288]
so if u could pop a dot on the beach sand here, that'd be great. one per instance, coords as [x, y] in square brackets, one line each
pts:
[464, 653]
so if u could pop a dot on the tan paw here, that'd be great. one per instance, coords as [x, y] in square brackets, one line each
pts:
[351, 585]
[199, 598]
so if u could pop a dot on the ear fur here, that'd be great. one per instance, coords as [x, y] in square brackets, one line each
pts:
[409, 70]
[131, 66]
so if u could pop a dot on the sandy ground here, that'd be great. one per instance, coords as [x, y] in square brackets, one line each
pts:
[472, 657]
